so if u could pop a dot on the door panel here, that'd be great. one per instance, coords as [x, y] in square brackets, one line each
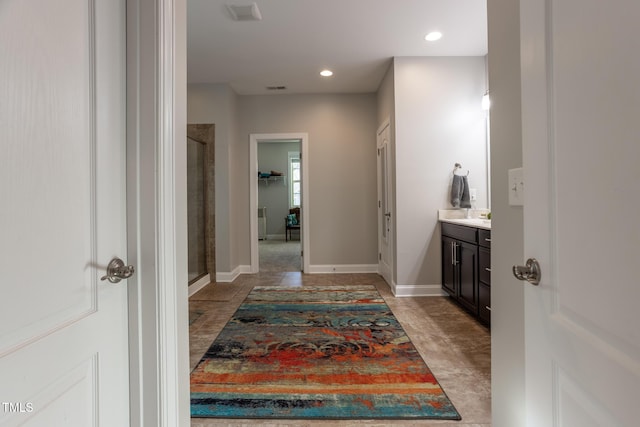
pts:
[448, 266]
[467, 256]
[46, 186]
[63, 332]
[581, 105]
[385, 238]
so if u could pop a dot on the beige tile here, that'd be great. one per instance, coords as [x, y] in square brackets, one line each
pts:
[217, 292]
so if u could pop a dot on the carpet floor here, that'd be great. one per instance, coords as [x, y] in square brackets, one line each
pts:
[316, 352]
[279, 256]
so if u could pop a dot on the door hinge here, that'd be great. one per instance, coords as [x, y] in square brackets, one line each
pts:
[301, 253]
[378, 151]
[379, 203]
[379, 256]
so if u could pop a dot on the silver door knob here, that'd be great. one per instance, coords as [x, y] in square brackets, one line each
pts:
[530, 272]
[116, 271]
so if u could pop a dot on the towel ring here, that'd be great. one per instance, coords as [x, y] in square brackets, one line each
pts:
[458, 166]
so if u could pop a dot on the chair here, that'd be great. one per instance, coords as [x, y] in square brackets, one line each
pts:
[291, 222]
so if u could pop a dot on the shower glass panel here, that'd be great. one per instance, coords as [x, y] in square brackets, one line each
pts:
[196, 209]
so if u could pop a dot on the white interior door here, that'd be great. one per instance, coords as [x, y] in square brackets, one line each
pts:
[581, 110]
[384, 204]
[63, 331]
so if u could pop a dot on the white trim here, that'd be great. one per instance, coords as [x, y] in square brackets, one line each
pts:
[156, 213]
[276, 237]
[230, 276]
[343, 268]
[417, 290]
[201, 283]
[254, 138]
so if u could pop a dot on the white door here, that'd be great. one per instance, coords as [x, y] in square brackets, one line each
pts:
[63, 331]
[384, 205]
[581, 145]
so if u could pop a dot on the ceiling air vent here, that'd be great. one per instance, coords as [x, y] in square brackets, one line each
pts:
[276, 88]
[244, 13]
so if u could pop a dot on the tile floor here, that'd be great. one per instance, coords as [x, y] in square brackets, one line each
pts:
[454, 345]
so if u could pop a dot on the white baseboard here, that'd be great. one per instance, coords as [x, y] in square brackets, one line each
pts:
[230, 276]
[201, 283]
[343, 268]
[417, 290]
[276, 237]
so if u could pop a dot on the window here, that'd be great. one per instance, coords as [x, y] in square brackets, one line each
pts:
[294, 179]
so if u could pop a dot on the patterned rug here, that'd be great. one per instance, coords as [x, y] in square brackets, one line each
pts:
[315, 352]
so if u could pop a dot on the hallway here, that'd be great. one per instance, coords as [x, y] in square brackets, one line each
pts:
[456, 347]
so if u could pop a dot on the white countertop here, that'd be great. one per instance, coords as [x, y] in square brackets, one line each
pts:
[457, 216]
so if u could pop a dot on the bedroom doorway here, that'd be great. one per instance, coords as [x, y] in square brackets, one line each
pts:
[279, 206]
[278, 191]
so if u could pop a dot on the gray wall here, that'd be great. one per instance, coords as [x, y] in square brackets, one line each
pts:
[427, 130]
[214, 103]
[507, 294]
[438, 122]
[342, 170]
[275, 195]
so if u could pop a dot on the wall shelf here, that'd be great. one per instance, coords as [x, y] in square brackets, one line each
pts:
[274, 178]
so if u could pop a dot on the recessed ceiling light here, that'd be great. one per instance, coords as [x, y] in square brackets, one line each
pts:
[326, 73]
[433, 36]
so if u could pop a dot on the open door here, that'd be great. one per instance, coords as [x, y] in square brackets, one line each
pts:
[63, 330]
[580, 110]
[385, 240]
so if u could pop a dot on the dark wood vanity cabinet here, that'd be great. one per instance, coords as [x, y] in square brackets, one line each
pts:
[484, 284]
[484, 275]
[466, 268]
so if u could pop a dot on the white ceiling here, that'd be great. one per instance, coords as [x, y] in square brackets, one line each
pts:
[296, 39]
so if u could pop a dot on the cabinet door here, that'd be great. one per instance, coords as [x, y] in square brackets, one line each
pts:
[484, 265]
[467, 258]
[448, 267]
[484, 303]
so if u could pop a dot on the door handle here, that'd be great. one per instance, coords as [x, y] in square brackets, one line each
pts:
[116, 271]
[529, 272]
[454, 253]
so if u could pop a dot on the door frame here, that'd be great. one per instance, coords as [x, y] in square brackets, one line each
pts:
[254, 139]
[387, 275]
[156, 213]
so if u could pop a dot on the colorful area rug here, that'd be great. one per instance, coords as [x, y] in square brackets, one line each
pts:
[315, 352]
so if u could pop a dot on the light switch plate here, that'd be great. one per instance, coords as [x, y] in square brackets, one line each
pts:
[516, 187]
[473, 195]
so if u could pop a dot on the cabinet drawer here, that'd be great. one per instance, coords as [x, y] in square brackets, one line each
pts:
[460, 232]
[484, 237]
[484, 265]
[484, 303]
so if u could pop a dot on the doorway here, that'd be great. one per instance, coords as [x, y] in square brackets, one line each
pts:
[279, 206]
[278, 200]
